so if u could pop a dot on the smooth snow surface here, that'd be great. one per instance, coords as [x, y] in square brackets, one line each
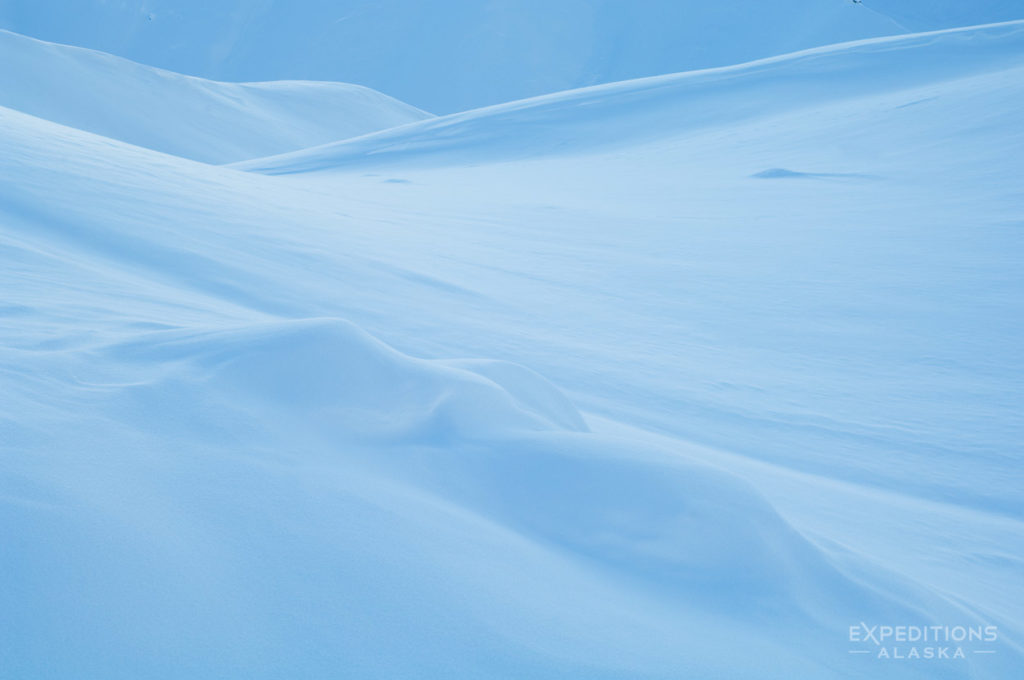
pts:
[624, 114]
[453, 55]
[930, 15]
[190, 117]
[777, 309]
[447, 55]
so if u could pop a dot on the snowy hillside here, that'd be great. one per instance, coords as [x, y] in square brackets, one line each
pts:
[681, 377]
[460, 54]
[189, 117]
[444, 56]
[626, 113]
[893, 141]
[930, 15]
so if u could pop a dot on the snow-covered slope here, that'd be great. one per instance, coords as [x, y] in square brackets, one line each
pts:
[210, 469]
[892, 128]
[201, 470]
[445, 56]
[453, 55]
[190, 117]
[623, 114]
[159, 392]
[931, 15]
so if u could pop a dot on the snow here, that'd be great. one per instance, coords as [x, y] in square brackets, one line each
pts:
[744, 371]
[929, 15]
[184, 116]
[448, 56]
[459, 54]
[641, 110]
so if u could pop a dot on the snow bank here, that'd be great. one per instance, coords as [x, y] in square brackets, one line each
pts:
[190, 117]
[330, 372]
[242, 496]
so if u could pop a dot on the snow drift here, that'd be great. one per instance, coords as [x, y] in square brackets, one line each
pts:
[330, 372]
[233, 468]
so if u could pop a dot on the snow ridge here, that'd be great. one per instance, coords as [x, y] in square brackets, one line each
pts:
[181, 115]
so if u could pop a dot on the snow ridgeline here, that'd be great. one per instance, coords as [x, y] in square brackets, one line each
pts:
[628, 113]
[455, 55]
[190, 117]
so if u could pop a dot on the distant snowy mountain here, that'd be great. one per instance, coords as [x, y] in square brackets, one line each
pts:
[451, 55]
[630, 112]
[455, 55]
[185, 116]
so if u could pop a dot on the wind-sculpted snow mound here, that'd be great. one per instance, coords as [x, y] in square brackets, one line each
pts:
[190, 117]
[691, 528]
[500, 440]
[317, 480]
[329, 372]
